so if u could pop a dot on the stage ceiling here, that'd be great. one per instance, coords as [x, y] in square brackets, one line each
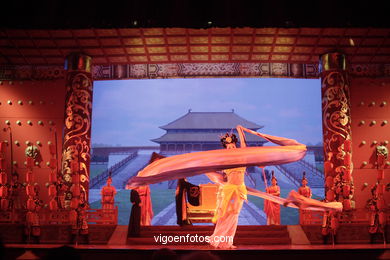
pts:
[184, 45]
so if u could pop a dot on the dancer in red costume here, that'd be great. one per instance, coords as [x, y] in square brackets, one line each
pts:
[305, 190]
[146, 205]
[272, 209]
[108, 195]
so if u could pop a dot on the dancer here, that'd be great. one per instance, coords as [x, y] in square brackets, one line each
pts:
[181, 203]
[146, 205]
[141, 211]
[305, 190]
[272, 209]
[234, 191]
[134, 228]
[233, 194]
[108, 194]
[190, 164]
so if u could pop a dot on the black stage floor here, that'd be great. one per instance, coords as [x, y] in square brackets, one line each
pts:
[117, 252]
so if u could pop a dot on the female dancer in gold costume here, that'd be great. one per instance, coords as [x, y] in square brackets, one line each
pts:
[232, 195]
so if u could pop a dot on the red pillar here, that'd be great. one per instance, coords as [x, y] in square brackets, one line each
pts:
[336, 121]
[77, 128]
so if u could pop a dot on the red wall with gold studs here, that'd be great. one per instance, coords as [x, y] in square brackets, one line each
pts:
[35, 110]
[370, 111]
[43, 101]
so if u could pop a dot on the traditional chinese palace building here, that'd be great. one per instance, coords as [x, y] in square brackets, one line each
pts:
[201, 131]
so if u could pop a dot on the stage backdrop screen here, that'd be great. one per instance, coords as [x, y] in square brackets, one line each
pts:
[131, 119]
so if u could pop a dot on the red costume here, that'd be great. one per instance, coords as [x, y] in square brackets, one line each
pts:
[272, 209]
[146, 205]
[141, 211]
[108, 195]
[305, 191]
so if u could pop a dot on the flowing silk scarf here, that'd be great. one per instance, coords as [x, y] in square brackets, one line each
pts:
[191, 164]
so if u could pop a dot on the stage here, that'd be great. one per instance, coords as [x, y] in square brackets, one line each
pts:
[276, 242]
[172, 78]
[360, 251]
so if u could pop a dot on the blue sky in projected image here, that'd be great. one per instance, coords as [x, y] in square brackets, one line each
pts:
[129, 113]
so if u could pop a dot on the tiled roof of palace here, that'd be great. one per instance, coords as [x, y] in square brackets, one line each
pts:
[210, 120]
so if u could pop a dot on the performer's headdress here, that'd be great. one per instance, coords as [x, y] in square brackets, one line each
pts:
[273, 177]
[109, 176]
[304, 176]
[228, 139]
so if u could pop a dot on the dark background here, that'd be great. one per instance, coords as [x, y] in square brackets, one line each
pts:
[51, 14]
